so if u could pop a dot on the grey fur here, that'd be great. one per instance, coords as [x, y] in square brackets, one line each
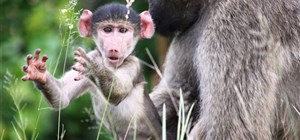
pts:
[241, 59]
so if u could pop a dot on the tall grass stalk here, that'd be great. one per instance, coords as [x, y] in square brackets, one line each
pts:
[16, 131]
[35, 133]
[105, 108]
[156, 68]
[180, 118]
[164, 123]
[135, 127]
[2, 135]
[10, 84]
[183, 118]
[296, 110]
[66, 27]
[128, 127]
[128, 5]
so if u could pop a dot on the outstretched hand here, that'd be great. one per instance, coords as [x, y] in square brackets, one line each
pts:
[35, 69]
[83, 67]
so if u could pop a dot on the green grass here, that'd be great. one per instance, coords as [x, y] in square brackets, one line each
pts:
[2, 134]
[19, 124]
[68, 18]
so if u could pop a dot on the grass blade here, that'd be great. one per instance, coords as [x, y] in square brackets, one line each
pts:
[2, 135]
[17, 133]
[164, 123]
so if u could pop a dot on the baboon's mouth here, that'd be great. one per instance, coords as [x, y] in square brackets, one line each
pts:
[113, 58]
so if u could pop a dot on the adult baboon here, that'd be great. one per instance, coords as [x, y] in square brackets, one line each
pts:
[240, 59]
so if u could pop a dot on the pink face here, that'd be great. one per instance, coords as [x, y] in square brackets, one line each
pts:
[115, 40]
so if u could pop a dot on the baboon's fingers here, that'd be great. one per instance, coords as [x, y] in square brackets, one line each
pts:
[82, 52]
[76, 78]
[37, 54]
[79, 76]
[80, 60]
[45, 58]
[77, 53]
[78, 68]
[74, 68]
[26, 77]
[29, 59]
[25, 68]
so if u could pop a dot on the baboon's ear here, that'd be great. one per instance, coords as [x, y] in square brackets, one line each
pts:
[147, 25]
[85, 23]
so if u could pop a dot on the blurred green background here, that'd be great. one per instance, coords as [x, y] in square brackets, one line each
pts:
[26, 25]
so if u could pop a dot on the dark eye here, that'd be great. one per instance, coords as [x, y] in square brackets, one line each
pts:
[123, 30]
[107, 29]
